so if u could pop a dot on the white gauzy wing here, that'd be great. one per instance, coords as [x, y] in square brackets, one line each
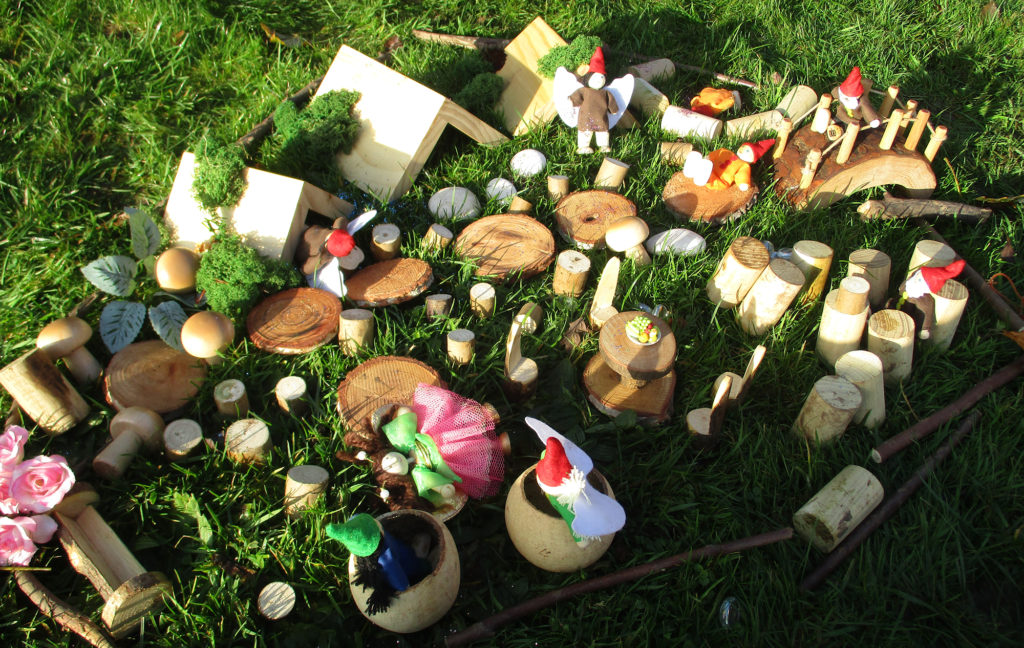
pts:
[565, 84]
[329, 278]
[622, 90]
[597, 514]
[577, 457]
[360, 221]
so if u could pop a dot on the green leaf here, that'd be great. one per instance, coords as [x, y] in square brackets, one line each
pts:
[167, 319]
[188, 505]
[120, 323]
[114, 275]
[145, 233]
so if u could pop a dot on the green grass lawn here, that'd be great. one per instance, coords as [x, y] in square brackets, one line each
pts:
[99, 99]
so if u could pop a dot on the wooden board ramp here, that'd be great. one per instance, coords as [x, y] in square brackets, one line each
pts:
[294, 321]
[507, 244]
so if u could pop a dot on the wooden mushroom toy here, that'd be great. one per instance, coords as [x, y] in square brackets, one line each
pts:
[66, 338]
[207, 333]
[175, 270]
[628, 235]
[132, 429]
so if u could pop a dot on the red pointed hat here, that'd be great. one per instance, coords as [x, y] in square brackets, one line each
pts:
[852, 87]
[597, 62]
[554, 466]
[751, 152]
[340, 243]
[936, 277]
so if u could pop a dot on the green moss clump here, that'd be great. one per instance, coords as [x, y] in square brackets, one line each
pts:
[569, 56]
[233, 276]
[306, 141]
[481, 93]
[218, 176]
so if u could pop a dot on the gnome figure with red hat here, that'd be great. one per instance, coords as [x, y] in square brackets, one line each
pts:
[592, 108]
[853, 102]
[916, 294]
[323, 254]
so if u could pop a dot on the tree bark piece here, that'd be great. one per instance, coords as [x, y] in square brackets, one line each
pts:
[507, 245]
[572, 269]
[181, 437]
[248, 441]
[43, 393]
[461, 343]
[875, 267]
[389, 282]
[836, 510]
[290, 393]
[355, 330]
[891, 207]
[770, 296]
[828, 410]
[482, 297]
[739, 268]
[864, 370]
[294, 321]
[891, 338]
[583, 216]
[840, 330]
[153, 375]
[303, 487]
[231, 399]
[814, 259]
[63, 614]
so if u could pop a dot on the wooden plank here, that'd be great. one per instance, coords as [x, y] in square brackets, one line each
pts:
[528, 98]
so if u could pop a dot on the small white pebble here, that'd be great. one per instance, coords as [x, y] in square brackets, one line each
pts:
[528, 162]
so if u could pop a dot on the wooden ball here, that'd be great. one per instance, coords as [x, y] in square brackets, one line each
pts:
[175, 270]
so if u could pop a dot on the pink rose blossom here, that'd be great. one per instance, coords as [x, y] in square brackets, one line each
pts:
[16, 546]
[40, 483]
[12, 447]
[45, 528]
[7, 504]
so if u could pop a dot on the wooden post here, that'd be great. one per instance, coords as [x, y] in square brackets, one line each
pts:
[814, 259]
[43, 393]
[276, 600]
[387, 242]
[611, 174]
[248, 441]
[892, 128]
[828, 410]
[891, 338]
[558, 187]
[908, 115]
[864, 370]
[437, 237]
[950, 302]
[460, 346]
[181, 437]
[822, 114]
[355, 330]
[849, 140]
[938, 137]
[811, 163]
[842, 319]
[737, 271]
[601, 310]
[887, 103]
[917, 130]
[770, 296]
[481, 300]
[647, 98]
[675, 152]
[303, 487]
[290, 392]
[131, 430]
[572, 269]
[436, 306]
[231, 399]
[874, 266]
[520, 205]
[520, 373]
[781, 137]
[838, 508]
[932, 254]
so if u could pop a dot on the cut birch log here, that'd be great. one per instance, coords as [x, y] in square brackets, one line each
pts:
[891, 207]
[572, 269]
[611, 174]
[290, 393]
[43, 393]
[950, 302]
[276, 600]
[482, 297]
[437, 306]
[874, 266]
[181, 438]
[838, 508]
[675, 152]
[248, 441]
[230, 397]
[931, 254]
[864, 370]
[814, 260]
[304, 486]
[437, 237]
[131, 430]
[558, 187]
[739, 268]
[766, 301]
[602, 310]
[828, 410]
[891, 338]
[461, 343]
[386, 242]
[520, 373]
[355, 330]
[843, 318]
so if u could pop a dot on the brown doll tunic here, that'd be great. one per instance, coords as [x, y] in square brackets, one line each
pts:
[595, 106]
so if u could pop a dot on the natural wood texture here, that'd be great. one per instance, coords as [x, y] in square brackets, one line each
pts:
[43, 393]
[638, 364]
[683, 122]
[270, 216]
[437, 237]
[891, 338]
[153, 375]
[822, 114]
[888, 101]
[481, 43]
[231, 399]
[248, 441]
[63, 614]
[930, 253]
[528, 98]
[482, 298]
[841, 330]
[583, 216]
[181, 437]
[647, 99]
[809, 168]
[461, 343]
[760, 123]
[705, 423]
[703, 204]
[386, 241]
[892, 129]
[868, 166]
[291, 395]
[558, 187]
[950, 302]
[507, 245]
[908, 115]
[132, 430]
[675, 152]
[303, 487]
[394, 141]
[770, 296]
[520, 373]
[519, 205]
[384, 380]
[606, 390]
[276, 600]
[653, 69]
[828, 410]
[874, 266]
[864, 370]
[814, 260]
[798, 103]
[782, 137]
[935, 142]
[740, 385]
[572, 269]
[602, 309]
[437, 306]
[611, 174]
[838, 508]
[917, 130]
[294, 321]
[849, 140]
[389, 282]
[531, 315]
[890, 207]
[739, 268]
[355, 330]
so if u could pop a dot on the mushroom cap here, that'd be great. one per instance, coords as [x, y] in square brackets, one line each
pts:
[144, 422]
[175, 270]
[626, 233]
[206, 333]
[61, 337]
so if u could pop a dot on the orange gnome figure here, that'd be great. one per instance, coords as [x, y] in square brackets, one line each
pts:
[734, 168]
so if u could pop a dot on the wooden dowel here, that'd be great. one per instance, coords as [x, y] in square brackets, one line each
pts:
[873, 266]
[822, 114]
[908, 114]
[437, 237]
[386, 242]
[437, 306]
[770, 296]
[611, 174]
[572, 269]
[461, 343]
[849, 140]
[558, 187]
[864, 370]
[811, 163]
[917, 130]
[739, 268]
[782, 137]
[838, 508]
[938, 137]
[675, 152]
[290, 393]
[181, 437]
[303, 487]
[891, 338]
[828, 410]
[482, 297]
[852, 295]
[355, 330]
[814, 259]
[890, 98]
[892, 128]
[248, 441]
[231, 399]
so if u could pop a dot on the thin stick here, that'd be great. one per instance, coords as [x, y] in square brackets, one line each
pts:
[486, 628]
[262, 129]
[888, 508]
[926, 426]
[65, 616]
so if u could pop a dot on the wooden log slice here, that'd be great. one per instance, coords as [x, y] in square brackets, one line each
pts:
[152, 375]
[605, 389]
[634, 360]
[389, 282]
[702, 204]
[135, 599]
[504, 244]
[294, 321]
[583, 216]
[380, 381]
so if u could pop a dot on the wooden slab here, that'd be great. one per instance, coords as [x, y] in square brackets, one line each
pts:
[377, 382]
[583, 216]
[153, 375]
[507, 244]
[294, 321]
[717, 206]
[868, 166]
[652, 402]
[389, 282]
[528, 98]
[631, 359]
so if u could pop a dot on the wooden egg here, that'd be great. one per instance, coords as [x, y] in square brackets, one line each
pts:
[175, 270]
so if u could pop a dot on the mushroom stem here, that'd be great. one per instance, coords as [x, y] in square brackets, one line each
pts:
[639, 255]
[83, 366]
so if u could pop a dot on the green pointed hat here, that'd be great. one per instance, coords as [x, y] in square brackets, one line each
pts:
[361, 534]
[401, 431]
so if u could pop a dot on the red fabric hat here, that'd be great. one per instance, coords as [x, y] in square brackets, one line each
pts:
[340, 243]
[852, 87]
[597, 62]
[936, 277]
[751, 152]
[554, 466]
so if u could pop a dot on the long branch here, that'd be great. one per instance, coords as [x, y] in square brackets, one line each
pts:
[65, 616]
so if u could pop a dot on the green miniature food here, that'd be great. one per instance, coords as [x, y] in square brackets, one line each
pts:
[233, 276]
[569, 56]
[642, 330]
[218, 176]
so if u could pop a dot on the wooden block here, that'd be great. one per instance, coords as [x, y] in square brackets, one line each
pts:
[611, 174]
[740, 385]
[950, 302]
[840, 331]
[571, 272]
[290, 393]
[181, 437]
[838, 508]
[828, 410]
[303, 487]
[891, 338]
[507, 245]
[864, 370]
[437, 306]
[43, 393]
[705, 423]
[482, 297]
[276, 600]
[770, 296]
[437, 237]
[270, 216]
[387, 242]
[874, 266]
[814, 260]
[528, 98]
[230, 398]
[248, 441]
[558, 187]
[294, 321]
[583, 216]
[809, 168]
[739, 268]
[355, 330]
[460, 346]
[153, 375]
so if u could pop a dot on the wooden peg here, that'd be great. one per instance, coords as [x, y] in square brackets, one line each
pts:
[461, 343]
[231, 399]
[908, 115]
[558, 187]
[843, 318]
[675, 152]
[437, 237]
[601, 310]
[531, 314]
[828, 410]
[782, 137]
[276, 600]
[811, 163]
[891, 338]
[248, 441]
[481, 300]
[520, 205]
[572, 269]
[892, 128]
[520, 373]
[814, 259]
[950, 302]
[181, 437]
[864, 370]
[43, 393]
[888, 101]
[290, 392]
[355, 330]
[822, 114]
[705, 423]
[938, 137]
[849, 140]
[739, 268]
[770, 296]
[917, 130]
[436, 306]
[874, 266]
[132, 429]
[930, 253]
[387, 241]
[303, 486]
[611, 174]
[838, 508]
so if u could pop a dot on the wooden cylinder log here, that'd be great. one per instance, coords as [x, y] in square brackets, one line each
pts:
[290, 393]
[822, 114]
[682, 122]
[520, 205]
[43, 393]
[436, 306]
[303, 487]
[841, 330]
[782, 137]
[908, 116]
[737, 271]
[276, 600]
[355, 330]
[662, 68]
[481, 300]
[917, 130]
[770, 296]
[932, 254]
[828, 410]
[387, 241]
[647, 98]
[572, 269]
[748, 125]
[531, 314]
[874, 266]
[437, 237]
[181, 438]
[248, 441]
[892, 128]
[814, 259]
[811, 164]
[675, 152]
[231, 399]
[864, 370]
[838, 508]
[849, 140]
[852, 295]
[891, 338]
[937, 138]
[611, 174]
[558, 187]
[950, 302]
[888, 101]
[461, 343]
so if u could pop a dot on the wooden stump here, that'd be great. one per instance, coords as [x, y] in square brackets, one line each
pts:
[950, 302]
[814, 260]
[389, 282]
[843, 318]
[181, 438]
[874, 266]
[276, 600]
[294, 321]
[571, 272]
[355, 330]
[384, 380]
[891, 338]
[828, 410]
[558, 187]
[583, 216]
[703, 204]
[248, 441]
[705, 423]
[290, 393]
[739, 268]
[520, 205]
[507, 244]
[605, 389]
[770, 296]
[461, 343]
[231, 399]
[864, 370]
[482, 297]
[838, 508]
[531, 315]
[437, 306]
[387, 242]
[153, 375]
[43, 393]
[303, 487]
[437, 237]
[932, 254]
[611, 174]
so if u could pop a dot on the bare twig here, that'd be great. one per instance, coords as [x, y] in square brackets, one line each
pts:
[66, 617]
[890, 207]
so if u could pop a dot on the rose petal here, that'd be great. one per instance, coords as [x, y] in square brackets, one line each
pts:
[16, 546]
[40, 483]
[12, 446]
[45, 528]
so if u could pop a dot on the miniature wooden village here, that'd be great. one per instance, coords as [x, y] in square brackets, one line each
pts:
[428, 452]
